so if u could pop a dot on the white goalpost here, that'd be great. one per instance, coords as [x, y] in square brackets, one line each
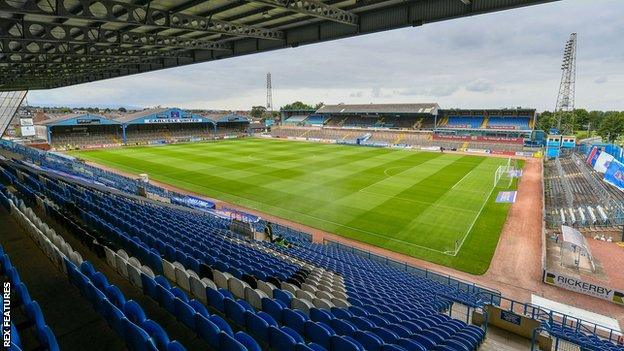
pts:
[502, 176]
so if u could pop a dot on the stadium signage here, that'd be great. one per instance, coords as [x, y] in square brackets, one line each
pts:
[88, 121]
[583, 287]
[172, 120]
[511, 317]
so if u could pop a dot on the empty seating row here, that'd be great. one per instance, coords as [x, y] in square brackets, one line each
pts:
[29, 307]
[372, 304]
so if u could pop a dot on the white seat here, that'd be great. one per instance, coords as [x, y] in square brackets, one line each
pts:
[266, 288]
[198, 288]
[122, 266]
[220, 279]
[301, 304]
[340, 303]
[237, 287]
[147, 271]
[182, 278]
[305, 295]
[339, 295]
[324, 295]
[322, 303]
[134, 275]
[192, 273]
[111, 257]
[168, 270]
[66, 249]
[75, 258]
[209, 283]
[290, 287]
[254, 297]
[133, 261]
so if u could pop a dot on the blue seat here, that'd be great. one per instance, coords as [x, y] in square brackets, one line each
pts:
[370, 341]
[386, 335]
[229, 343]
[99, 280]
[318, 333]
[342, 327]
[175, 346]
[35, 315]
[136, 338]
[341, 313]
[23, 297]
[157, 333]
[424, 341]
[282, 339]
[184, 313]
[247, 341]
[344, 343]
[178, 293]
[115, 296]
[165, 299]
[234, 311]
[319, 315]
[87, 269]
[215, 299]
[391, 347]
[149, 286]
[48, 339]
[257, 326]
[207, 330]
[294, 319]
[160, 280]
[273, 308]
[199, 308]
[282, 295]
[222, 324]
[411, 344]
[134, 312]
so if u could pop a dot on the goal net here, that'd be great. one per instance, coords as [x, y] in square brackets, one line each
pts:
[502, 176]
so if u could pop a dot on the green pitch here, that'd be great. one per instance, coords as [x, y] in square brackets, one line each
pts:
[434, 206]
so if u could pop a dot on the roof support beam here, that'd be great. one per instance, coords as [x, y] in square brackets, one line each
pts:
[28, 47]
[52, 32]
[314, 8]
[125, 13]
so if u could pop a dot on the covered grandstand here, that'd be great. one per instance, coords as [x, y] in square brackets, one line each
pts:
[162, 125]
[388, 116]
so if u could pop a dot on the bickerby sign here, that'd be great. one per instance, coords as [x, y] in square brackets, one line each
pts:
[583, 287]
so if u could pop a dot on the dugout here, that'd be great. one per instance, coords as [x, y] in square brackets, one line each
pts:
[164, 125]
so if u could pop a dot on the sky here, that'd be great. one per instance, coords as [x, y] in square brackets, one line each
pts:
[503, 59]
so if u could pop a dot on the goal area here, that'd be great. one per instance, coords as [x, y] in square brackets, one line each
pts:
[503, 176]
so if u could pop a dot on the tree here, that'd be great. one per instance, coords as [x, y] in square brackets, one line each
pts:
[297, 105]
[612, 126]
[257, 111]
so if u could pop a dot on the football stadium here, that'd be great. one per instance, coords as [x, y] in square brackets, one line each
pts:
[344, 226]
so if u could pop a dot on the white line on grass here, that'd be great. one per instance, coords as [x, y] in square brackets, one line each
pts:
[431, 204]
[301, 213]
[388, 177]
[464, 177]
[461, 243]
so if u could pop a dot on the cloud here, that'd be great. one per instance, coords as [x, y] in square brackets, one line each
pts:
[501, 59]
[480, 86]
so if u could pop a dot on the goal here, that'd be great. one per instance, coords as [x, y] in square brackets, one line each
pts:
[502, 176]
